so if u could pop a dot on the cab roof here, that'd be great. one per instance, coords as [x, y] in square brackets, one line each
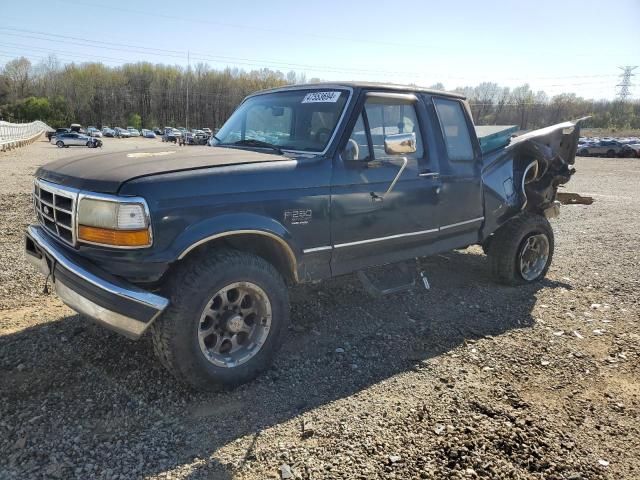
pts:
[391, 87]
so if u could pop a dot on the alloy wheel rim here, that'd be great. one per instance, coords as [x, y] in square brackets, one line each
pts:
[234, 324]
[534, 255]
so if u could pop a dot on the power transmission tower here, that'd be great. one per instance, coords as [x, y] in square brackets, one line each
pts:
[625, 82]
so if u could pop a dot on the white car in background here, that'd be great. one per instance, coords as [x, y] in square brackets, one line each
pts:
[133, 131]
[94, 132]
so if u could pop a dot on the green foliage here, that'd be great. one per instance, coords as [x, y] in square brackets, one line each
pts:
[144, 94]
[135, 121]
[53, 112]
[31, 109]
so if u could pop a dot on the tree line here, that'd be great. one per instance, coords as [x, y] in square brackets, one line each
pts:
[147, 95]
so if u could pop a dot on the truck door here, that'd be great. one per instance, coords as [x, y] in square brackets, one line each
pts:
[383, 206]
[460, 213]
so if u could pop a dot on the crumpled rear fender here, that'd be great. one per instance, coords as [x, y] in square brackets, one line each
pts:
[526, 174]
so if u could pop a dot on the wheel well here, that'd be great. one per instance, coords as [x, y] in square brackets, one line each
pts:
[274, 251]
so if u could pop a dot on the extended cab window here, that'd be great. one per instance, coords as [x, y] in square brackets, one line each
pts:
[454, 129]
[297, 119]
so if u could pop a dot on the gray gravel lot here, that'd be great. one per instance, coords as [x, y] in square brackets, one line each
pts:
[467, 380]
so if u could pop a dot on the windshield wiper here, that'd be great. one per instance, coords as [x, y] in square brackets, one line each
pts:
[252, 142]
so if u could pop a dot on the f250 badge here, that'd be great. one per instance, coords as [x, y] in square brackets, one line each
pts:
[297, 217]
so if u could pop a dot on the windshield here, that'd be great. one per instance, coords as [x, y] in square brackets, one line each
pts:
[290, 120]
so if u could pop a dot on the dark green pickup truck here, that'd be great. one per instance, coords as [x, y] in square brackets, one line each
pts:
[301, 184]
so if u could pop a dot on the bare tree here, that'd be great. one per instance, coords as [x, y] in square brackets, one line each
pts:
[18, 72]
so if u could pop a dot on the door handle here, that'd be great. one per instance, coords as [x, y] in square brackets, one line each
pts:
[429, 175]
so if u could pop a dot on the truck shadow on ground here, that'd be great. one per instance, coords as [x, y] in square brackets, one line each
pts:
[110, 394]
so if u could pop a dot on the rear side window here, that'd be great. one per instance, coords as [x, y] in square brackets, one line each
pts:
[454, 129]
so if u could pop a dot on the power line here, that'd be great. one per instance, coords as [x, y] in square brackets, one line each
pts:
[280, 31]
[625, 82]
[22, 48]
[131, 48]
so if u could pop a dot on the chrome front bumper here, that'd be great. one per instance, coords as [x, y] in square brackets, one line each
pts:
[109, 300]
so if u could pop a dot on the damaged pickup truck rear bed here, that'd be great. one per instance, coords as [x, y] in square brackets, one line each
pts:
[301, 184]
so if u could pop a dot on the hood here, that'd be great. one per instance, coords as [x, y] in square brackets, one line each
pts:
[106, 172]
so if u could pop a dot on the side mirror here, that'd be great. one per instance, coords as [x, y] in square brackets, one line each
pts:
[400, 143]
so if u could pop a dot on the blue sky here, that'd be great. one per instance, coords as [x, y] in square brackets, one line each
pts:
[557, 46]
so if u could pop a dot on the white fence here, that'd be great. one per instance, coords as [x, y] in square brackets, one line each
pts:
[13, 135]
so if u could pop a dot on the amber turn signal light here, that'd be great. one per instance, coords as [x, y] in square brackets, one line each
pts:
[117, 238]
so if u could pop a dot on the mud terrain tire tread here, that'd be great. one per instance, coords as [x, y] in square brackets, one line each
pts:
[189, 288]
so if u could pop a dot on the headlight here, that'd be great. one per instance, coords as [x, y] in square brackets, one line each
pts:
[118, 223]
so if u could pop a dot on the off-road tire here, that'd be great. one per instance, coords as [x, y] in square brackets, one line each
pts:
[507, 242]
[190, 287]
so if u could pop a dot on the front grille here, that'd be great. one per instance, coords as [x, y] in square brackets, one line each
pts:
[55, 208]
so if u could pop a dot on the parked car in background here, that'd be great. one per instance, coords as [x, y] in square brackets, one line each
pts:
[196, 137]
[133, 131]
[56, 132]
[171, 135]
[75, 139]
[157, 130]
[121, 132]
[148, 133]
[94, 132]
[207, 131]
[108, 132]
[603, 148]
[631, 150]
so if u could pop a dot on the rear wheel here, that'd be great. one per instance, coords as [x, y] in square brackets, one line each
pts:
[611, 153]
[521, 250]
[228, 314]
[89, 144]
[584, 152]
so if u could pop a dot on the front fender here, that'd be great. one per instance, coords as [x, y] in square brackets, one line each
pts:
[234, 224]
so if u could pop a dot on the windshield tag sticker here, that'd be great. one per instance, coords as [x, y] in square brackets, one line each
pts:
[321, 97]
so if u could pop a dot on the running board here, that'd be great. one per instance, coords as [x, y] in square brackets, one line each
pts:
[401, 280]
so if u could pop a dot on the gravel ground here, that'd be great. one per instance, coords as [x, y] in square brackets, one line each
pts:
[467, 380]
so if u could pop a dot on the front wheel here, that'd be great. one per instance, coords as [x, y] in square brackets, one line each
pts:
[521, 250]
[229, 311]
[60, 144]
[611, 153]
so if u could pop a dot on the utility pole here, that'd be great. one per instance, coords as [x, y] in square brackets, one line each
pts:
[186, 119]
[625, 82]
